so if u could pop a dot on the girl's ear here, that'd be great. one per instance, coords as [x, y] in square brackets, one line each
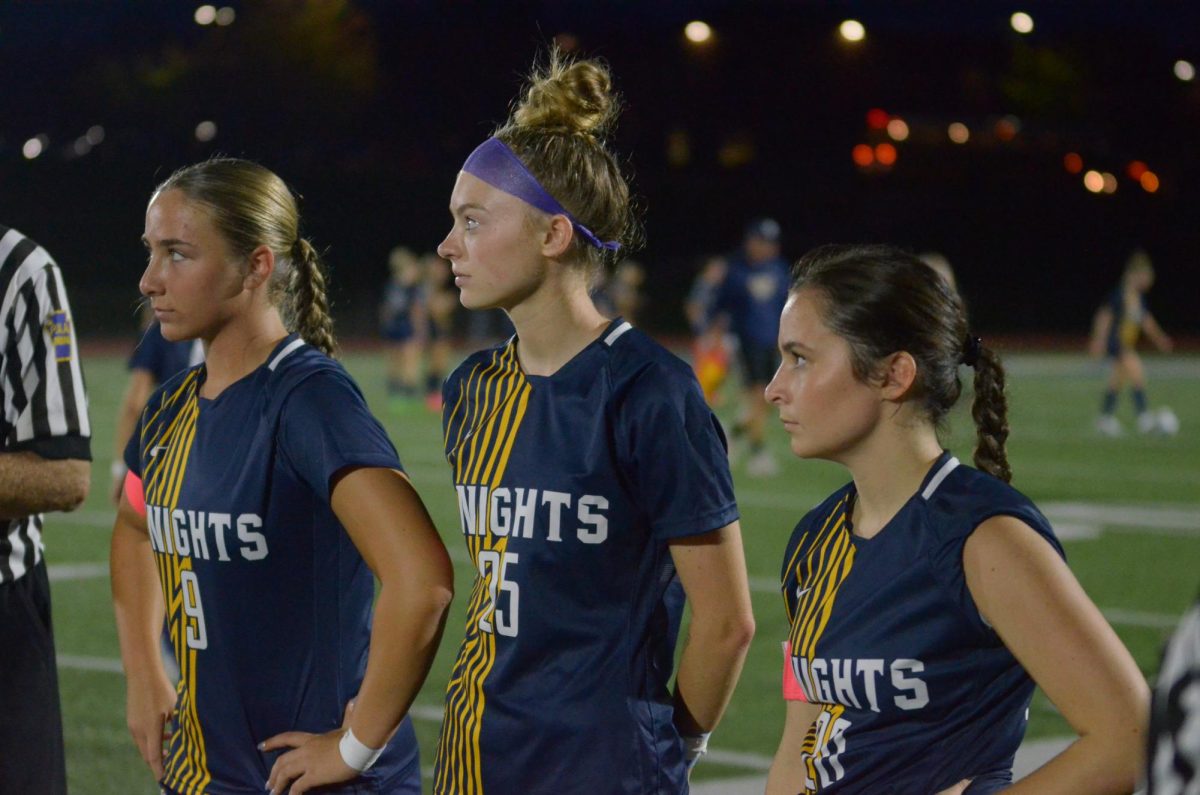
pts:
[262, 265]
[557, 236]
[897, 376]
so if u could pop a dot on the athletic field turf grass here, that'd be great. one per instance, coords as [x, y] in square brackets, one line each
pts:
[1128, 508]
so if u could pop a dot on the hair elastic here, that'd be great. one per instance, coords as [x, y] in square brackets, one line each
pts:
[497, 165]
[971, 348]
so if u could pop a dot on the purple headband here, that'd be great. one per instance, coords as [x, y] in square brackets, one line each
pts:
[497, 165]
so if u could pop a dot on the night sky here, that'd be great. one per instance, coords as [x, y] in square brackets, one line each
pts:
[368, 108]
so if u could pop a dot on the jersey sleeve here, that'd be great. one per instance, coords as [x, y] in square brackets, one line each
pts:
[325, 427]
[675, 455]
[947, 560]
[45, 405]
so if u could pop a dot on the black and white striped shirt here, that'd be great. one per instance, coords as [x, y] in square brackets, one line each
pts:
[41, 383]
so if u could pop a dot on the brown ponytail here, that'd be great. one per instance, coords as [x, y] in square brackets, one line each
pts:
[990, 412]
[309, 305]
[251, 206]
[882, 300]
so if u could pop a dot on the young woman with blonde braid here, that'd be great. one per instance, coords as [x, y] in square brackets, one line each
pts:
[262, 495]
[925, 597]
[593, 485]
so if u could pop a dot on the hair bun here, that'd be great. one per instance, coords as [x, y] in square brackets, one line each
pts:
[572, 97]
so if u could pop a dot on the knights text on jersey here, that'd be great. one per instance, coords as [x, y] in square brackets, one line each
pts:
[570, 487]
[268, 600]
[916, 691]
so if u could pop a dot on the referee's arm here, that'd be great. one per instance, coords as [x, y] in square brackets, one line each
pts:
[31, 484]
[45, 463]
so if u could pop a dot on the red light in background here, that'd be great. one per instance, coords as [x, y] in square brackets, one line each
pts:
[886, 154]
[863, 155]
[1073, 163]
[1135, 169]
[1149, 181]
[877, 118]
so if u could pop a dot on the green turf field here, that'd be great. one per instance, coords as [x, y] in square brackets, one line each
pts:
[1129, 509]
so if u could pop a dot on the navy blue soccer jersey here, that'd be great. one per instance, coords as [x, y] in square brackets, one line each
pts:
[162, 358]
[1128, 311]
[916, 691]
[399, 303]
[753, 296]
[570, 488]
[268, 600]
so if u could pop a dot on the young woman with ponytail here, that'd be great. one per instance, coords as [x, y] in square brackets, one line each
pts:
[261, 497]
[926, 597]
[593, 485]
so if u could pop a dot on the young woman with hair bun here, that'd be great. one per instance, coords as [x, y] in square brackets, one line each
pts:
[592, 480]
[261, 497]
[925, 597]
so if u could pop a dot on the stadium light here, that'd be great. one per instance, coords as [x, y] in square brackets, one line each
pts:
[852, 30]
[1149, 181]
[33, 147]
[205, 15]
[1072, 162]
[698, 32]
[885, 154]
[863, 155]
[1110, 182]
[958, 132]
[225, 16]
[206, 131]
[897, 130]
[1185, 71]
[1093, 181]
[95, 135]
[1021, 22]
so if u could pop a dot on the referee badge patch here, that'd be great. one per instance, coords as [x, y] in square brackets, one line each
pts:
[58, 326]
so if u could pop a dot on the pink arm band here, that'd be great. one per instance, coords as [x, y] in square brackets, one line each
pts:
[133, 493]
[791, 687]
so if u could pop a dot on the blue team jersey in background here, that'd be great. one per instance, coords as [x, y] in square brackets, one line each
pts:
[399, 303]
[268, 600]
[753, 296]
[916, 691]
[570, 487]
[1128, 311]
[162, 358]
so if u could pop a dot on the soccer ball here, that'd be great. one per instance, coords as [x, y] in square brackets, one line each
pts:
[1168, 423]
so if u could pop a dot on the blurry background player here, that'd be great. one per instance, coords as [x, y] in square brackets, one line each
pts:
[620, 295]
[584, 539]
[268, 496]
[442, 301]
[45, 454]
[404, 320]
[924, 595]
[153, 361]
[752, 295]
[1118, 325]
[710, 351]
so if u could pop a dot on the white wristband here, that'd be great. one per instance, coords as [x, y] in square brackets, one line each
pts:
[355, 754]
[694, 747]
[118, 469]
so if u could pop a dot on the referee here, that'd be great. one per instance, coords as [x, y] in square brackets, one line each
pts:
[44, 454]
